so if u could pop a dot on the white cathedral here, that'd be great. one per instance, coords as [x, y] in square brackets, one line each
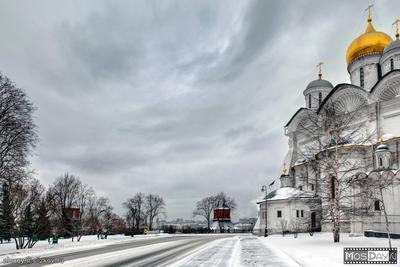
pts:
[373, 63]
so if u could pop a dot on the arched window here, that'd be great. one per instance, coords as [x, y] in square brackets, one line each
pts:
[377, 205]
[362, 77]
[333, 187]
[319, 99]
[391, 64]
[379, 70]
[309, 101]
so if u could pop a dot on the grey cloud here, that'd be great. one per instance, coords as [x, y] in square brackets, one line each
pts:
[180, 98]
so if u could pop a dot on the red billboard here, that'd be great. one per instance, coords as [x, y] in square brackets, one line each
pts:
[222, 214]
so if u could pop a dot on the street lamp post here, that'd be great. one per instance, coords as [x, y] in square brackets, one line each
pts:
[264, 189]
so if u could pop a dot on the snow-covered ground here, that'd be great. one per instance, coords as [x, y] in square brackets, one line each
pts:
[43, 248]
[241, 250]
[319, 250]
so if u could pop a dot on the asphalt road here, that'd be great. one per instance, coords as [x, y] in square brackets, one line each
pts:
[159, 256]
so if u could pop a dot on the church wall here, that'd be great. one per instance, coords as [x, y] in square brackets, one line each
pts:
[390, 117]
[392, 201]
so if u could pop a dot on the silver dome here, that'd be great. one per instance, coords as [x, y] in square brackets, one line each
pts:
[319, 83]
[393, 45]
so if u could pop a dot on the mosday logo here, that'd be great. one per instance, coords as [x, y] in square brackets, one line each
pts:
[370, 256]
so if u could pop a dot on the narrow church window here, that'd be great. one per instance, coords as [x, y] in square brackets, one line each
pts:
[309, 101]
[378, 68]
[333, 187]
[312, 187]
[279, 214]
[362, 77]
[319, 98]
[380, 162]
[391, 64]
[297, 213]
[302, 213]
[300, 187]
[377, 205]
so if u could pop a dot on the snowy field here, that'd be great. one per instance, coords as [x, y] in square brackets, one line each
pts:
[319, 250]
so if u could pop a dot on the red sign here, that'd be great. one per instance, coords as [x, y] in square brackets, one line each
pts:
[222, 214]
[73, 213]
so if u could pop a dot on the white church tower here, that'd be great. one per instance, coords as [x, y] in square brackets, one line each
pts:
[317, 90]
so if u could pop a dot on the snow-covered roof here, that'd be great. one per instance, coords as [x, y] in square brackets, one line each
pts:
[287, 193]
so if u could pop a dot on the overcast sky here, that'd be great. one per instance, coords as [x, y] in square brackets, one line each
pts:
[178, 98]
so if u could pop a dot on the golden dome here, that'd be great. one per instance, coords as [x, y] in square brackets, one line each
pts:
[370, 42]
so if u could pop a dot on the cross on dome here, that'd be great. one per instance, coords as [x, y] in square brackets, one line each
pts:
[396, 22]
[319, 66]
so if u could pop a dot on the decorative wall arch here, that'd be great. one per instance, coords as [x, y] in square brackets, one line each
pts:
[301, 115]
[347, 98]
[387, 88]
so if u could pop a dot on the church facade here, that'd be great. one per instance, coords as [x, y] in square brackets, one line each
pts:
[308, 188]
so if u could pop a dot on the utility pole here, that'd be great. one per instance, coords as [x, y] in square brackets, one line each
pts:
[264, 189]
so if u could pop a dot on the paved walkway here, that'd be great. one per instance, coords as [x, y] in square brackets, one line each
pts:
[238, 251]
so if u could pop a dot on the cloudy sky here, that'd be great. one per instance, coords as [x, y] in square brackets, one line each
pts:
[179, 98]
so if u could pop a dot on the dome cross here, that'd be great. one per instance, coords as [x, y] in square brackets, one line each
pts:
[369, 12]
[396, 22]
[319, 66]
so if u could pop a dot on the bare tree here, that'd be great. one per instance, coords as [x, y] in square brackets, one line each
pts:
[372, 188]
[135, 214]
[283, 225]
[222, 200]
[82, 199]
[154, 207]
[66, 191]
[18, 138]
[334, 143]
[108, 219]
[17, 130]
[26, 200]
[205, 208]
[95, 210]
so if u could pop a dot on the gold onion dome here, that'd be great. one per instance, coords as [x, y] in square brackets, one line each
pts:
[368, 43]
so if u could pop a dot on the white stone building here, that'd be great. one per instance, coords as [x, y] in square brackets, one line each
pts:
[373, 61]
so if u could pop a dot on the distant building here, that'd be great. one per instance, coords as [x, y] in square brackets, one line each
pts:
[222, 220]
